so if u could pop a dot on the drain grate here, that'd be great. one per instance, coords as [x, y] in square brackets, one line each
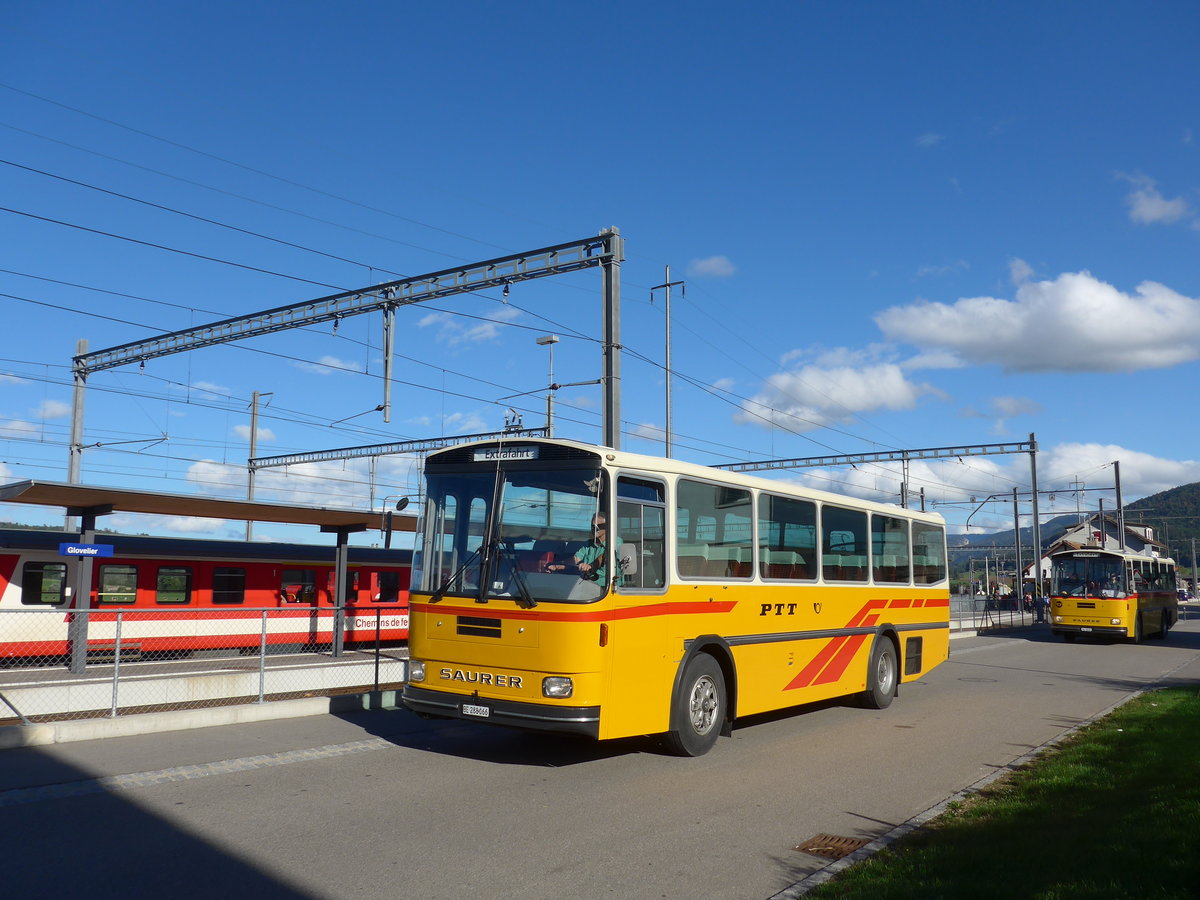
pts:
[831, 846]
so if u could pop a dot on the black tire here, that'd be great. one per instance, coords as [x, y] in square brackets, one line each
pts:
[698, 709]
[1163, 626]
[1138, 634]
[882, 675]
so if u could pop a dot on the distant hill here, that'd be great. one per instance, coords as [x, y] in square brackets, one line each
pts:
[1174, 515]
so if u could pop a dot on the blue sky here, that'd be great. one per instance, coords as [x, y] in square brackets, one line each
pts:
[900, 226]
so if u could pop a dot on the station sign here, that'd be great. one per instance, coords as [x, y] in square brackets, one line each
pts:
[85, 549]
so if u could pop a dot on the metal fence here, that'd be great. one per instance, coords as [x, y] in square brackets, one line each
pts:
[146, 660]
[986, 613]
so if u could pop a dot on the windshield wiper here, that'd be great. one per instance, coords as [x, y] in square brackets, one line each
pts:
[440, 593]
[510, 556]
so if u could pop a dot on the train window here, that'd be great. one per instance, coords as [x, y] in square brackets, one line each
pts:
[174, 585]
[299, 585]
[43, 583]
[118, 584]
[229, 585]
[389, 587]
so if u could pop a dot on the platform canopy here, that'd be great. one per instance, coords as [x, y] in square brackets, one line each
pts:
[72, 497]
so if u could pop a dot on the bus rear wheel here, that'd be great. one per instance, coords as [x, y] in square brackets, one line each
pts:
[699, 707]
[881, 675]
[1163, 626]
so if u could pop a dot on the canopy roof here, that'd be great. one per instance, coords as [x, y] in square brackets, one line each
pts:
[78, 497]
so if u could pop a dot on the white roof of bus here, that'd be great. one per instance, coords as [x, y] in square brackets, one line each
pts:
[622, 459]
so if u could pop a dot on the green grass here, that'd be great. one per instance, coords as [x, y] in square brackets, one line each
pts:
[1113, 811]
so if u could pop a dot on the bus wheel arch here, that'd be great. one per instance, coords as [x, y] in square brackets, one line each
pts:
[883, 670]
[702, 698]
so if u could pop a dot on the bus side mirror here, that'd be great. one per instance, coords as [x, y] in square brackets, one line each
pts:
[627, 559]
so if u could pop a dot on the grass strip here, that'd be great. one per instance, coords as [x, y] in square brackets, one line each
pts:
[1113, 811]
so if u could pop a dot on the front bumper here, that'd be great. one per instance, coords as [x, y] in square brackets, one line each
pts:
[584, 720]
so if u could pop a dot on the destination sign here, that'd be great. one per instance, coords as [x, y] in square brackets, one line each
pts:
[85, 549]
[497, 454]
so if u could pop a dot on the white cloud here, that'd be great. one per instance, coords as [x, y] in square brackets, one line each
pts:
[1019, 271]
[453, 330]
[711, 267]
[209, 388]
[170, 524]
[1149, 207]
[647, 431]
[1108, 330]
[328, 365]
[52, 409]
[929, 139]
[833, 389]
[12, 379]
[464, 423]
[959, 265]
[243, 431]
[1141, 473]
[16, 428]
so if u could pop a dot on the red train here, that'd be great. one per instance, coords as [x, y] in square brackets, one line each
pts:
[179, 595]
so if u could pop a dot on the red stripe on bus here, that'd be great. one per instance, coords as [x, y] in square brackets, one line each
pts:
[832, 660]
[691, 607]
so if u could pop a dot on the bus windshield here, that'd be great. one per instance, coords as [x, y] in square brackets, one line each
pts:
[519, 533]
[1088, 576]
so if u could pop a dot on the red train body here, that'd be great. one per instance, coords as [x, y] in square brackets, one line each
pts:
[174, 595]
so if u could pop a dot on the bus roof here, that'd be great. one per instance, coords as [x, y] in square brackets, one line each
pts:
[621, 459]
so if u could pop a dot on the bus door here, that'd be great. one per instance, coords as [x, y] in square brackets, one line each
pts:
[638, 663]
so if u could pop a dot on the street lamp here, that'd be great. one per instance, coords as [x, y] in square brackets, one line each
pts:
[549, 340]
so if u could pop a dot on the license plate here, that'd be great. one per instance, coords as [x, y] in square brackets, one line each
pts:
[470, 709]
[1085, 629]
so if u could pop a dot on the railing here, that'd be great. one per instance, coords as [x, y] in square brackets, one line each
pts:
[988, 613]
[144, 660]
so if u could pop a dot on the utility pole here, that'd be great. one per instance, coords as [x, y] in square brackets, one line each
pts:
[253, 455]
[666, 287]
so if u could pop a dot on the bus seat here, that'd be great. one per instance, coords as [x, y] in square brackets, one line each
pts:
[691, 559]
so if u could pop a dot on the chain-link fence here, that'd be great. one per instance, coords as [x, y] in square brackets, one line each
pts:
[57, 664]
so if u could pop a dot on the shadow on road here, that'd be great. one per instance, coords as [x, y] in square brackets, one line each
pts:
[100, 843]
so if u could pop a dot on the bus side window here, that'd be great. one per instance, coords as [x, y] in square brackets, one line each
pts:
[642, 529]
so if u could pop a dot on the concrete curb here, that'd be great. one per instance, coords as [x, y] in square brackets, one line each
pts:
[42, 734]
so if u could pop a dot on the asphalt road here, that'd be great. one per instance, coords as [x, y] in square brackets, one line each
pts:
[386, 805]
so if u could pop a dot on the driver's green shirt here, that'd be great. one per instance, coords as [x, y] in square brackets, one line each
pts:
[592, 553]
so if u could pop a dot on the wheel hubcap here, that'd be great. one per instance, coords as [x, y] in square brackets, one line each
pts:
[703, 706]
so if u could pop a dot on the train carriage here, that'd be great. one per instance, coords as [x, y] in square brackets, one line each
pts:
[174, 596]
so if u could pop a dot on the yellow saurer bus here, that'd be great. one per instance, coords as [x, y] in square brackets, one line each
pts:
[1109, 593]
[566, 587]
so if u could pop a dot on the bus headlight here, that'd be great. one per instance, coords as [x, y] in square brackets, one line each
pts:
[416, 670]
[557, 686]
[1114, 621]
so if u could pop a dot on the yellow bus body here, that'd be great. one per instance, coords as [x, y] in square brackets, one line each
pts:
[777, 643]
[624, 651]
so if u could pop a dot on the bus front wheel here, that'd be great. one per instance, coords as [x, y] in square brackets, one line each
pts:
[881, 675]
[698, 709]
